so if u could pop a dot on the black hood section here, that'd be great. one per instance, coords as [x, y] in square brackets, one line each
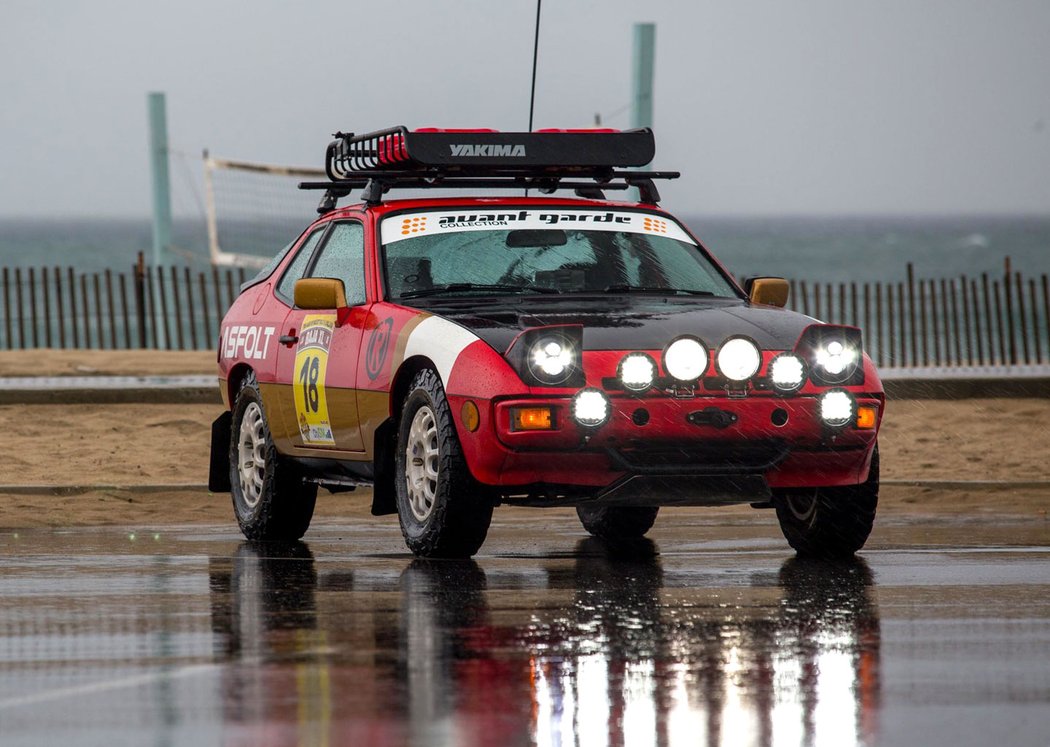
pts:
[624, 322]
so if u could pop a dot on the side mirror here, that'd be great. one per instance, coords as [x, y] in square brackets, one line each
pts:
[767, 291]
[320, 293]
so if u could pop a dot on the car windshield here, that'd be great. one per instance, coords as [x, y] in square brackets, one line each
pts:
[516, 251]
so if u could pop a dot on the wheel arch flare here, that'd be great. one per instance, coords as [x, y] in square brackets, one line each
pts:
[470, 370]
[467, 365]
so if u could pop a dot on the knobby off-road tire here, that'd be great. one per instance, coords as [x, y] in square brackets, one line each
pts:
[613, 523]
[270, 499]
[830, 523]
[444, 512]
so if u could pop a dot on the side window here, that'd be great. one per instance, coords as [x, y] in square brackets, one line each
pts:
[343, 257]
[297, 268]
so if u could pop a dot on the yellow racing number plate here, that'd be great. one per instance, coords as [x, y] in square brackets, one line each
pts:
[311, 364]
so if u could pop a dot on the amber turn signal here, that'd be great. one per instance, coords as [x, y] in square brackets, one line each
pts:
[531, 419]
[866, 417]
[470, 416]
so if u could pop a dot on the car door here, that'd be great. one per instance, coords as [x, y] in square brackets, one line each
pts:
[319, 349]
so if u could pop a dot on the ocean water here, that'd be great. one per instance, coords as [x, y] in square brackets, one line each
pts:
[812, 249]
[877, 249]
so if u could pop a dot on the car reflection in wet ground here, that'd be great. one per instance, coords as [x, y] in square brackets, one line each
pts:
[615, 662]
[708, 635]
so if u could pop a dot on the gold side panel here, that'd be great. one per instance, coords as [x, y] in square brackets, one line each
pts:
[342, 407]
[284, 426]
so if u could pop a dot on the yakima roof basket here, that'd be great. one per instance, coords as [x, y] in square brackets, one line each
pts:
[487, 159]
[481, 150]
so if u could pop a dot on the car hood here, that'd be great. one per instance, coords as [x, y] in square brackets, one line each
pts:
[626, 322]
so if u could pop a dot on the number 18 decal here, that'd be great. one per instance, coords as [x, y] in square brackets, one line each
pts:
[311, 362]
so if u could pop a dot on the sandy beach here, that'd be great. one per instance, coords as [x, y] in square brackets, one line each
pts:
[144, 464]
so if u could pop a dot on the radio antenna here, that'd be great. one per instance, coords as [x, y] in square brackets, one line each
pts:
[535, 53]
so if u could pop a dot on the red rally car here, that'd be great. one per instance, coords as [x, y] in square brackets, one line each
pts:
[460, 353]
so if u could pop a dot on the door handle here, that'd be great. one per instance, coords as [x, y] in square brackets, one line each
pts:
[289, 339]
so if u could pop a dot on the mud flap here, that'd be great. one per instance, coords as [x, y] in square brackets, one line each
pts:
[384, 499]
[219, 470]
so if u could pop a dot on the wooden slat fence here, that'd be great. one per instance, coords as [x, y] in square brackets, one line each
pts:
[983, 320]
[166, 308]
[963, 321]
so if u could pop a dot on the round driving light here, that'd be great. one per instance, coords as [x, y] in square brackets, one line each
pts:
[590, 407]
[836, 358]
[836, 407]
[637, 372]
[787, 372]
[550, 359]
[685, 359]
[738, 359]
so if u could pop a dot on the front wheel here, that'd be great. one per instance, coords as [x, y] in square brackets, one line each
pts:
[443, 511]
[831, 523]
[270, 499]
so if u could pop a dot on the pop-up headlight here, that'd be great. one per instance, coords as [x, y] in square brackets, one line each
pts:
[832, 354]
[549, 356]
[835, 357]
[551, 359]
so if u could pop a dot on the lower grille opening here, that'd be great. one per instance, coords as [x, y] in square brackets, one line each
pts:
[725, 458]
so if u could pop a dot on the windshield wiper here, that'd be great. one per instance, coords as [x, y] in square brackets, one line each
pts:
[625, 288]
[455, 287]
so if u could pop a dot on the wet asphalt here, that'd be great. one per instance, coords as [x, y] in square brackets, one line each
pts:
[712, 633]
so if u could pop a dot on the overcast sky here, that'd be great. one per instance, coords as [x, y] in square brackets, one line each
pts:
[767, 107]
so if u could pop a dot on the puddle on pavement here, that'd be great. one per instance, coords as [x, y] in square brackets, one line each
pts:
[196, 637]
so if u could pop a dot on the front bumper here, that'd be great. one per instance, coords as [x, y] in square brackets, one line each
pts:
[706, 450]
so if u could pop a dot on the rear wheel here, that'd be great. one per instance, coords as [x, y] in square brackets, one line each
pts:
[443, 511]
[270, 499]
[617, 522]
[830, 522]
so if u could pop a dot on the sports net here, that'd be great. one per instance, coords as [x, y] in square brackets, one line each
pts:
[255, 209]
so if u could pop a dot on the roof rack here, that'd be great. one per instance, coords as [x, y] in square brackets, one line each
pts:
[547, 160]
